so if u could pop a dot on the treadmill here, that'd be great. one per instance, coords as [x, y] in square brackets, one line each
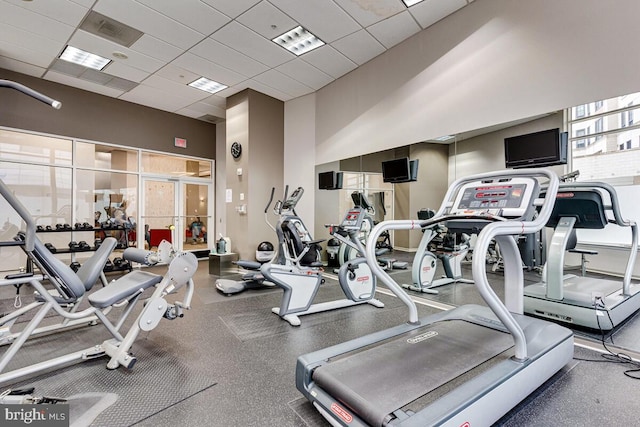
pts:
[466, 366]
[584, 301]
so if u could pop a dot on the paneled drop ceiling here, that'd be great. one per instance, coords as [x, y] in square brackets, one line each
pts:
[228, 41]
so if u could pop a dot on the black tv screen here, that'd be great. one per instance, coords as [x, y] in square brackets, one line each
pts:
[330, 180]
[396, 170]
[544, 148]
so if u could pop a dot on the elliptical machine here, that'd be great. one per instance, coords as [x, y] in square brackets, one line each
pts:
[348, 250]
[301, 275]
[253, 279]
[451, 249]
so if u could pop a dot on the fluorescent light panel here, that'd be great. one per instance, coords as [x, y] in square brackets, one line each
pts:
[207, 85]
[86, 59]
[410, 3]
[298, 41]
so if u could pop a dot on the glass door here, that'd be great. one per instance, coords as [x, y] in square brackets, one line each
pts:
[159, 213]
[195, 216]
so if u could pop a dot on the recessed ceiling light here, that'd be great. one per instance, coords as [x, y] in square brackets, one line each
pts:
[86, 59]
[207, 85]
[410, 3]
[120, 55]
[298, 41]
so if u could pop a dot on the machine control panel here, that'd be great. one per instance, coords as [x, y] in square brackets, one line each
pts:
[509, 197]
[353, 219]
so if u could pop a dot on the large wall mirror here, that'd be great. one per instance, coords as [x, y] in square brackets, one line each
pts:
[604, 141]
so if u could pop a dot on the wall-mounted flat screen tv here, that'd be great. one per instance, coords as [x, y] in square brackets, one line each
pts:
[330, 180]
[544, 148]
[396, 170]
[400, 170]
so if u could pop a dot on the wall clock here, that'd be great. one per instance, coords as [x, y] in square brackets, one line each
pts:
[236, 150]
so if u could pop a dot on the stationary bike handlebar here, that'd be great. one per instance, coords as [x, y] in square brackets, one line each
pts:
[32, 93]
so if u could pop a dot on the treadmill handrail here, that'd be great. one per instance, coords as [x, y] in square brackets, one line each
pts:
[619, 220]
[487, 234]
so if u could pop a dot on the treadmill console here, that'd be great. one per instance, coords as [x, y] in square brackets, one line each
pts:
[506, 197]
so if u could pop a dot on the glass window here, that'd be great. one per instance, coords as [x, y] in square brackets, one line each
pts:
[602, 142]
[98, 156]
[175, 166]
[26, 147]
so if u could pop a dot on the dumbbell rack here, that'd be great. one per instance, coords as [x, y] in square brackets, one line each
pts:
[61, 251]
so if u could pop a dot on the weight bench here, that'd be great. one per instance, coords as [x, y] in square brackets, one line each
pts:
[68, 288]
[89, 273]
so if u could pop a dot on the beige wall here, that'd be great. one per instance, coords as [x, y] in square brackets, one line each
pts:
[491, 62]
[99, 118]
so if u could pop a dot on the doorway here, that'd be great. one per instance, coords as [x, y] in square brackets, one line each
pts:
[177, 211]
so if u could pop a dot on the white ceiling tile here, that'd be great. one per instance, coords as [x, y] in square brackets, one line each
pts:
[231, 8]
[22, 54]
[63, 11]
[103, 47]
[81, 84]
[262, 19]
[242, 39]
[208, 69]
[85, 3]
[323, 18]
[257, 86]
[28, 40]
[21, 67]
[305, 73]
[192, 13]
[283, 83]
[122, 70]
[171, 89]
[155, 98]
[149, 21]
[34, 22]
[360, 47]
[392, 31]
[156, 48]
[429, 12]
[370, 12]
[329, 60]
[214, 51]
[177, 74]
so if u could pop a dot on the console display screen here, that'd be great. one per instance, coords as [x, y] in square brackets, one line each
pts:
[492, 197]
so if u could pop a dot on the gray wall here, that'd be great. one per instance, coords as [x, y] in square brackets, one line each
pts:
[99, 118]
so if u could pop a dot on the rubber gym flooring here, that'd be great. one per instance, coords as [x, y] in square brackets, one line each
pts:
[231, 362]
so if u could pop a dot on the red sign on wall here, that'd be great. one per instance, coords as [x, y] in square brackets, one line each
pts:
[180, 142]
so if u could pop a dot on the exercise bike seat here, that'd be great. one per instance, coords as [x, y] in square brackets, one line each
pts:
[123, 287]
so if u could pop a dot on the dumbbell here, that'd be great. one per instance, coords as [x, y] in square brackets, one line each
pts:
[108, 266]
[87, 226]
[51, 248]
[75, 266]
[74, 246]
[117, 262]
[84, 246]
[59, 226]
[77, 226]
[97, 243]
[39, 228]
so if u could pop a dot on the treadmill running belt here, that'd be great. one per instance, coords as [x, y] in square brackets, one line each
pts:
[377, 381]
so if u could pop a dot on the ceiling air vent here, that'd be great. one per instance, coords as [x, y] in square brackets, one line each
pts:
[110, 29]
[211, 119]
[93, 76]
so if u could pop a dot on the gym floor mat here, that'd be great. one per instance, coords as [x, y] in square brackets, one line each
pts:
[158, 381]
